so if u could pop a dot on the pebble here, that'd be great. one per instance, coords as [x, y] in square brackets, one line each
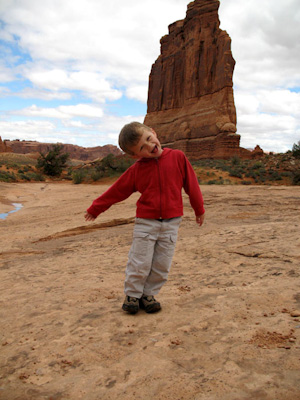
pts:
[295, 314]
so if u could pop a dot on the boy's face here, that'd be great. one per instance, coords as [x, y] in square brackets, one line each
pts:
[148, 145]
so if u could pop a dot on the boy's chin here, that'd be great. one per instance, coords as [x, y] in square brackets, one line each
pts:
[157, 152]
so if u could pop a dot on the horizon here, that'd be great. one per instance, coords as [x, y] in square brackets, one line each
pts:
[82, 81]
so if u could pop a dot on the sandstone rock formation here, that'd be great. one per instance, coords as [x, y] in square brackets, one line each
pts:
[76, 152]
[190, 97]
[4, 148]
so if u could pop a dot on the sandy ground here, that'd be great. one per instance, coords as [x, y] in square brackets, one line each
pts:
[230, 324]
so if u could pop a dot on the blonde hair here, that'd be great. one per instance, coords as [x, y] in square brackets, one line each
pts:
[130, 136]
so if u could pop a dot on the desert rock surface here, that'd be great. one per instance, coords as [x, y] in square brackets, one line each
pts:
[229, 328]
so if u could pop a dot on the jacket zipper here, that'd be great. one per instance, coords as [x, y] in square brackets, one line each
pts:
[160, 191]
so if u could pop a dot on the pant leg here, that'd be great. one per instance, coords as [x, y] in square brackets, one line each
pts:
[140, 256]
[162, 258]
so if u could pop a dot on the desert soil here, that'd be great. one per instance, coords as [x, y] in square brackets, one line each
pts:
[229, 327]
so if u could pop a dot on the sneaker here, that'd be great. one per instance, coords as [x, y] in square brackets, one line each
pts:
[131, 305]
[149, 304]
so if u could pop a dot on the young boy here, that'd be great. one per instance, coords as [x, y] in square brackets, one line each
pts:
[159, 175]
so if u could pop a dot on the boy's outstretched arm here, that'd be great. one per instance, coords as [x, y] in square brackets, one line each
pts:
[200, 219]
[89, 217]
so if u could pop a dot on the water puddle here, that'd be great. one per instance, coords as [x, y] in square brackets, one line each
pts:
[17, 206]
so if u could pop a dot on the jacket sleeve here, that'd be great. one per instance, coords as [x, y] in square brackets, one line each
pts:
[119, 191]
[192, 188]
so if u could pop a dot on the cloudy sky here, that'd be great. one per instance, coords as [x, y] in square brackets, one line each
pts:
[75, 71]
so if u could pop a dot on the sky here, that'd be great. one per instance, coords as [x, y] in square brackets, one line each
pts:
[76, 71]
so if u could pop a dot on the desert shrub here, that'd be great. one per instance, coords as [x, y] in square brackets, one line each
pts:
[257, 165]
[36, 176]
[287, 174]
[235, 173]
[53, 162]
[7, 176]
[246, 183]
[24, 177]
[235, 160]
[296, 150]
[215, 182]
[110, 165]
[78, 176]
[296, 178]
[96, 175]
[274, 176]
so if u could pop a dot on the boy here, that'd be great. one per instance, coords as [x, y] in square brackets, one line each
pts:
[159, 175]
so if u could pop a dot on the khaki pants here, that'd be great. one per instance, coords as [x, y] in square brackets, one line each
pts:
[150, 256]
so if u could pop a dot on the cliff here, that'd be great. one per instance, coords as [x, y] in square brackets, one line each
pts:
[4, 148]
[190, 96]
[76, 152]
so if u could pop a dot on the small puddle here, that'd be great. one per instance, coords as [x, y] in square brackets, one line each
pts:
[17, 206]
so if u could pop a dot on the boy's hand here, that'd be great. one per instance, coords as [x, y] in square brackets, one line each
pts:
[200, 219]
[89, 217]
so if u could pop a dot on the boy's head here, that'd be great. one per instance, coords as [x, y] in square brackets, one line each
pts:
[139, 141]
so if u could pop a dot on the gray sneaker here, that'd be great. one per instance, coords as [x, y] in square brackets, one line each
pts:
[131, 305]
[149, 304]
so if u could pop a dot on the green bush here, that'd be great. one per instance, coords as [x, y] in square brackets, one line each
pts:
[296, 178]
[96, 175]
[35, 176]
[24, 177]
[53, 162]
[296, 150]
[7, 176]
[246, 183]
[78, 176]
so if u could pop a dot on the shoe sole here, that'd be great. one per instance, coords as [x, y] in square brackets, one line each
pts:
[150, 309]
[130, 309]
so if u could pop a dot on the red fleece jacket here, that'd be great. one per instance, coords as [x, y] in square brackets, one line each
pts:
[160, 182]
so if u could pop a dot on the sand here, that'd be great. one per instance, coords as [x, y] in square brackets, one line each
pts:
[230, 324]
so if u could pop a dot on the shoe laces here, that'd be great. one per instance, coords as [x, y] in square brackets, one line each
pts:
[149, 298]
[132, 298]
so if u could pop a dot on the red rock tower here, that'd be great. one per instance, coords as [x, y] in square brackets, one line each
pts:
[190, 96]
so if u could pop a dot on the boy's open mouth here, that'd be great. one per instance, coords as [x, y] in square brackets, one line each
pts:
[155, 149]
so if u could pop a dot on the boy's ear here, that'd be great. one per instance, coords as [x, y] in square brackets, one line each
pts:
[154, 133]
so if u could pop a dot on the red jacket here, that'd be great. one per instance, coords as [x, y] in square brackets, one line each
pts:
[160, 182]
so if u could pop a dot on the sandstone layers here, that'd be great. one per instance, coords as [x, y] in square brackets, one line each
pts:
[190, 97]
[76, 152]
[4, 148]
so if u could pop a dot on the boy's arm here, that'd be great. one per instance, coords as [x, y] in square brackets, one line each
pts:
[192, 189]
[119, 191]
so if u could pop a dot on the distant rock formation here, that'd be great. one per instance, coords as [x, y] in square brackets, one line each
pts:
[4, 148]
[76, 152]
[190, 97]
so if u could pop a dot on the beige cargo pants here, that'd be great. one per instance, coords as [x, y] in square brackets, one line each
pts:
[150, 256]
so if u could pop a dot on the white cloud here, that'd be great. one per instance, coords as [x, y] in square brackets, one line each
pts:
[269, 118]
[63, 112]
[27, 130]
[138, 92]
[118, 38]
[91, 84]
